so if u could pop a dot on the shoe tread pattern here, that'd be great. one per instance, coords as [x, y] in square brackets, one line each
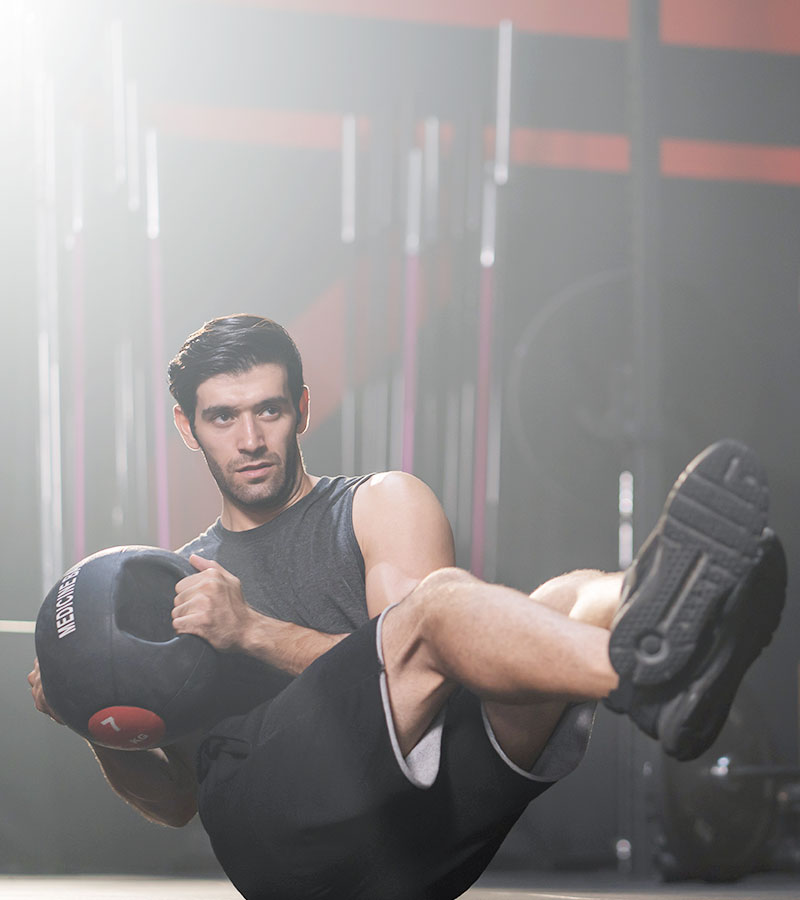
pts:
[705, 542]
[690, 723]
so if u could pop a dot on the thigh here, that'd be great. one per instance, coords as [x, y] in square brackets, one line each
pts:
[417, 690]
[295, 793]
[523, 731]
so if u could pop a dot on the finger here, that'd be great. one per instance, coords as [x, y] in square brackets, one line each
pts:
[190, 610]
[190, 624]
[209, 574]
[191, 581]
[201, 563]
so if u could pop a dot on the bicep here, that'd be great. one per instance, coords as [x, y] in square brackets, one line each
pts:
[404, 536]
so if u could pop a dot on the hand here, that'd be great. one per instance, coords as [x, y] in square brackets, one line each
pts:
[211, 605]
[35, 681]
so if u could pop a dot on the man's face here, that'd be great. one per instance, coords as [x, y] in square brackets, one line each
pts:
[247, 427]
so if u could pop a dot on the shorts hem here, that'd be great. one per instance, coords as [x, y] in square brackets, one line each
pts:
[564, 750]
[421, 766]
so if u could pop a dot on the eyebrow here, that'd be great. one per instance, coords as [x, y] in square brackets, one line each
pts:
[211, 412]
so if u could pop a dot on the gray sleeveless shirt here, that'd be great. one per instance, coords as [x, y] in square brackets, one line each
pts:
[305, 566]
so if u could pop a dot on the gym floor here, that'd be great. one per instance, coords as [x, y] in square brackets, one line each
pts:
[543, 886]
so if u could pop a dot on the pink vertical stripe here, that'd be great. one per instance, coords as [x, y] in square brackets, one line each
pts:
[410, 338]
[479, 473]
[159, 406]
[79, 399]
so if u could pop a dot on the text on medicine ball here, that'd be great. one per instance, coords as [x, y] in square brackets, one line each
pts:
[65, 610]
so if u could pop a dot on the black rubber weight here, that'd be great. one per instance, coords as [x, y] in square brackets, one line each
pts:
[704, 543]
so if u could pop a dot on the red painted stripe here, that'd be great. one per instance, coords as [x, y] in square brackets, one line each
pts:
[576, 18]
[730, 162]
[772, 26]
[570, 150]
[557, 149]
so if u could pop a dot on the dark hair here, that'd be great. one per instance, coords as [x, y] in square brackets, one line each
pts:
[232, 345]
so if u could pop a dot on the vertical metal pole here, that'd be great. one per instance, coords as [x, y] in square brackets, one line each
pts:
[157, 341]
[348, 235]
[431, 180]
[644, 111]
[123, 429]
[453, 381]
[138, 435]
[486, 338]
[625, 532]
[502, 134]
[348, 228]
[118, 102]
[78, 351]
[488, 407]
[132, 146]
[374, 445]
[411, 307]
[431, 359]
[50, 508]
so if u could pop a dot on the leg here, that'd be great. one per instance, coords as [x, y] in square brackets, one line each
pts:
[699, 604]
[499, 643]
[586, 596]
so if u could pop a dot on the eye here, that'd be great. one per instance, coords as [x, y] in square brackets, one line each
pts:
[270, 411]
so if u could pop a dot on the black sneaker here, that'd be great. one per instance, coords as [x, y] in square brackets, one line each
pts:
[699, 603]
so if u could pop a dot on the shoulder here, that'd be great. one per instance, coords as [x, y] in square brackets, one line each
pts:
[380, 492]
[389, 500]
[205, 544]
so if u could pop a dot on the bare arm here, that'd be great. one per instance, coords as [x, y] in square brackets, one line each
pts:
[160, 784]
[403, 533]
[211, 605]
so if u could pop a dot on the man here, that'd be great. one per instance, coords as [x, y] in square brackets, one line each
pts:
[429, 708]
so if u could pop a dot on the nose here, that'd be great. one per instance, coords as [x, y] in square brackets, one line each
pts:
[251, 440]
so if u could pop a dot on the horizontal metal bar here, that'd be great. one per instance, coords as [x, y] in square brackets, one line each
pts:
[17, 626]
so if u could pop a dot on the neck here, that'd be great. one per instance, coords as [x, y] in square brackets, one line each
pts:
[235, 517]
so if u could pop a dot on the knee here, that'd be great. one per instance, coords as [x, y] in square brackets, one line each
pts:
[438, 595]
[443, 583]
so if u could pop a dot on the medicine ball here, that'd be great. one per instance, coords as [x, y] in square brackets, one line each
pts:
[112, 666]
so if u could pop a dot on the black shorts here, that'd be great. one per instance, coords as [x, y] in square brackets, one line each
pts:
[305, 797]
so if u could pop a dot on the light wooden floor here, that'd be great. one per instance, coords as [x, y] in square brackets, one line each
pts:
[541, 886]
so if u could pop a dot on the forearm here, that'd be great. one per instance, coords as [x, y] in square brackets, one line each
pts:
[211, 605]
[160, 783]
[284, 645]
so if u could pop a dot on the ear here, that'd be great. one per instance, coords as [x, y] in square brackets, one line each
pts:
[184, 426]
[305, 412]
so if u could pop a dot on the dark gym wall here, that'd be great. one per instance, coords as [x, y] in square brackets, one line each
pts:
[246, 101]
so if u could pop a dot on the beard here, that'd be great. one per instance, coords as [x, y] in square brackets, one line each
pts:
[272, 493]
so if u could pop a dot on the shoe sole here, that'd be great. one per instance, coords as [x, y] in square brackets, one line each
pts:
[705, 542]
[690, 723]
